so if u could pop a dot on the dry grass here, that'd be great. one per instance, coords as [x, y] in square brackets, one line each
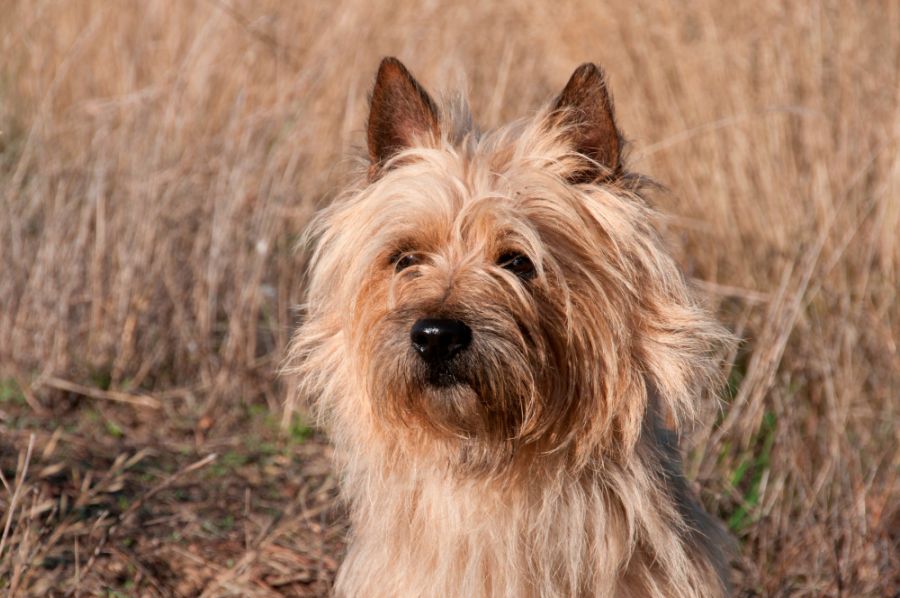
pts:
[158, 160]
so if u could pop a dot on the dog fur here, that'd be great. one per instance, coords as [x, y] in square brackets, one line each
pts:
[542, 459]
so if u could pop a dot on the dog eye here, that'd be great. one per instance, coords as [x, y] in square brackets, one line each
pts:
[518, 264]
[402, 261]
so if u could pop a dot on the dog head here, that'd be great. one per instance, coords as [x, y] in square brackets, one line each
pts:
[497, 294]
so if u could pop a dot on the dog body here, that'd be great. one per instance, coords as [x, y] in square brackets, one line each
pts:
[494, 336]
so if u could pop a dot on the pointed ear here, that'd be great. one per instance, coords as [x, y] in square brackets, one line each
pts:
[400, 114]
[585, 108]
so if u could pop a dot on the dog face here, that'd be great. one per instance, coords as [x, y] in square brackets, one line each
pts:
[461, 309]
[493, 292]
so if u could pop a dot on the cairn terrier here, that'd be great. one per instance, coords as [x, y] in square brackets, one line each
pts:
[503, 351]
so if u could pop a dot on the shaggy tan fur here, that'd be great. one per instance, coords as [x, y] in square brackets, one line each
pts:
[538, 464]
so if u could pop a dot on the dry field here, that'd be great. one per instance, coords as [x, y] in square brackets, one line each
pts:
[158, 160]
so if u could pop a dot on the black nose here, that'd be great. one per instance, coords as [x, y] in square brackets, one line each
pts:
[439, 340]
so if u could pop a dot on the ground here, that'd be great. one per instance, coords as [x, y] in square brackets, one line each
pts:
[111, 506]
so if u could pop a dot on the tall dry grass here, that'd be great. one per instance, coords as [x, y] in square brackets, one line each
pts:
[158, 160]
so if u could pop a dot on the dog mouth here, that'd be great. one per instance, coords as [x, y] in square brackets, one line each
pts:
[444, 375]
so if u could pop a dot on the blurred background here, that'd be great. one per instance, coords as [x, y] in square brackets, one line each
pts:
[158, 160]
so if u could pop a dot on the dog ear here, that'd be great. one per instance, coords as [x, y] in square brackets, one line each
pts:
[585, 108]
[400, 113]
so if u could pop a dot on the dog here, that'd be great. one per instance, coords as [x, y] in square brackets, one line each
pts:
[503, 351]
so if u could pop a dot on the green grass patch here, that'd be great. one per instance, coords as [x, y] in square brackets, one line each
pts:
[227, 463]
[113, 429]
[298, 430]
[101, 378]
[233, 459]
[220, 526]
[747, 476]
[11, 393]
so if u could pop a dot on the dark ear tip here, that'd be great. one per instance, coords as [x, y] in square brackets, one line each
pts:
[588, 72]
[391, 67]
